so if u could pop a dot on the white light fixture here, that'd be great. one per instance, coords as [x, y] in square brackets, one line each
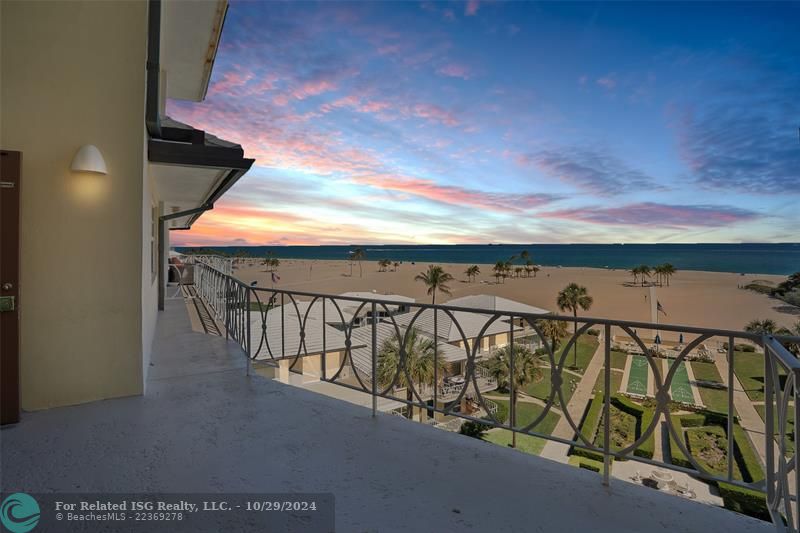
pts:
[89, 159]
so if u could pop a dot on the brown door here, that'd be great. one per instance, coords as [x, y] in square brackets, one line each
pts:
[9, 286]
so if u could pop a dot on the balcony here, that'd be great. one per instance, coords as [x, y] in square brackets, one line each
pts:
[205, 426]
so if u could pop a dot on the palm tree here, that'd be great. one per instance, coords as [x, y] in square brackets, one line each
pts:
[420, 363]
[518, 271]
[554, 331]
[570, 298]
[794, 331]
[644, 271]
[498, 270]
[525, 256]
[526, 370]
[383, 265]
[528, 267]
[766, 326]
[471, 272]
[535, 270]
[396, 264]
[635, 272]
[358, 255]
[668, 270]
[435, 279]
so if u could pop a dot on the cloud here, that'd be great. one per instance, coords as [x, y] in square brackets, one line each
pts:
[656, 215]
[455, 70]
[471, 8]
[607, 82]
[599, 173]
[435, 113]
[457, 196]
[743, 137]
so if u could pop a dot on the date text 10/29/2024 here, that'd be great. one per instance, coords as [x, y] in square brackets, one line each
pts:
[188, 507]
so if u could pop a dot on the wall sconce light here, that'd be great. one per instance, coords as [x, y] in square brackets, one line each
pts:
[89, 159]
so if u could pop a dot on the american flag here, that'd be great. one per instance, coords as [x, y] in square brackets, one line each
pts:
[660, 308]
[275, 278]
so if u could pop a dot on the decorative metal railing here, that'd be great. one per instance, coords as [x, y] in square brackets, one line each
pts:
[283, 327]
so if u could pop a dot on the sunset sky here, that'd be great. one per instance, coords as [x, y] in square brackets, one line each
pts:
[477, 122]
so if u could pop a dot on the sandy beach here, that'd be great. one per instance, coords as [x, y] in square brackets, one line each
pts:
[693, 298]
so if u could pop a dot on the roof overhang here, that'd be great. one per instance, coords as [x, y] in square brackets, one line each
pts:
[190, 38]
[192, 169]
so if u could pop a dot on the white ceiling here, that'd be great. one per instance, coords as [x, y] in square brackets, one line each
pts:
[182, 188]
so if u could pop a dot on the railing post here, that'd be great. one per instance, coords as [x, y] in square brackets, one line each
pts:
[769, 429]
[796, 398]
[607, 407]
[731, 358]
[248, 340]
[436, 361]
[324, 344]
[227, 311]
[375, 363]
[512, 403]
[283, 329]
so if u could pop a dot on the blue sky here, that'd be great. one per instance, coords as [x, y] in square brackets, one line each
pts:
[475, 122]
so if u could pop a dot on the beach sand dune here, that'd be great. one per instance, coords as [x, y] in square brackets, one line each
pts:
[704, 299]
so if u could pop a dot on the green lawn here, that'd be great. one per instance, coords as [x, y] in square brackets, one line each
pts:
[616, 382]
[714, 399]
[749, 368]
[541, 389]
[705, 372]
[527, 413]
[525, 443]
[618, 359]
[762, 411]
[587, 346]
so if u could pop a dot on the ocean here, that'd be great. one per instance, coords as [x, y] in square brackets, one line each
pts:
[739, 258]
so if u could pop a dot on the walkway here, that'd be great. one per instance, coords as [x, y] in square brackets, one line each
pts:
[206, 427]
[557, 451]
[749, 418]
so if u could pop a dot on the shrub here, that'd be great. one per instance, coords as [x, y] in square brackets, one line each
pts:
[594, 332]
[742, 500]
[475, 430]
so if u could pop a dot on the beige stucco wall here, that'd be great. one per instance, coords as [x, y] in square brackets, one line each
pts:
[73, 73]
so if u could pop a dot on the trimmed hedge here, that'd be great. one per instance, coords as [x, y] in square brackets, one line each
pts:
[746, 501]
[589, 428]
[588, 464]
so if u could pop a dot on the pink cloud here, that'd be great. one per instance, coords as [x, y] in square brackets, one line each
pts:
[313, 88]
[471, 9]
[434, 113]
[455, 195]
[455, 70]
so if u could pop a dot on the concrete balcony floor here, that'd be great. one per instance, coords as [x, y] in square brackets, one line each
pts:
[204, 426]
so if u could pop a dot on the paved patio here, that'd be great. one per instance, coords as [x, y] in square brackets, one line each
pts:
[204, 426]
